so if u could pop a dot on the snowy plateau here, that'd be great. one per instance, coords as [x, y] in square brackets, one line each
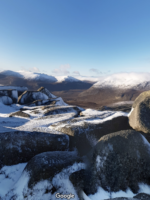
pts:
[37, 158]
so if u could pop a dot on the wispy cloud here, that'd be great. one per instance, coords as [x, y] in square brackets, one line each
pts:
[95, 71]
[32, 69]
[62, 70]
[76, 73]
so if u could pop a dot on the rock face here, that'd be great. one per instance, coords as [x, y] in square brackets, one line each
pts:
[8, 96]
[139, 117]
[20, 114]
[20, 146]
[120, 160]
[46, 165]
[85, 133]
[30, 96]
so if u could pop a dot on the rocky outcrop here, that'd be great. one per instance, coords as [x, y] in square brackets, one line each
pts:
[20, 146]
[46, 92]
[8, 97]
[139, 117]
[120, 160]
[85, 132]
[30, 96]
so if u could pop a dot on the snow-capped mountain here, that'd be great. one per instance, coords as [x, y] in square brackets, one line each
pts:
[125, 81]
[29, 75]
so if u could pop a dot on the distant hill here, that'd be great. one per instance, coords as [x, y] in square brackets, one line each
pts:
[34, 80]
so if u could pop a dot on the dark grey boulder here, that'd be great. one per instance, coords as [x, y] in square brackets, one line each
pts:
[11, 94]
[20, 146]
[120, 160]
[30, 96]
[140, 115]
[61, 109]
[142, 196]
[84, 135]
[46, 165]
[20, 114]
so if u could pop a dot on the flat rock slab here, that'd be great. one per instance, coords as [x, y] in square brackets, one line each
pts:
[123, 108]
[20, 114]
[61, 109]
[20, 146]
[42, 102]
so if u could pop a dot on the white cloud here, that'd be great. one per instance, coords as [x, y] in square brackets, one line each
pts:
[62, 70]
[32, 69]
[76, 73]
[95, 70]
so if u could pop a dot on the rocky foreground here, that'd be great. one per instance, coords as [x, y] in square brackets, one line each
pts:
[52, 150]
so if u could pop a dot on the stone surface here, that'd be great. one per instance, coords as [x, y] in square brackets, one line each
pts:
[20, 114]
[139, 117]
[46, 91]
[142, 196]
[20, 146]
[84, 135]
[61, 109]
[120, 160]
[12, 94]
[30, 96]
[46, 165]
[123, 108]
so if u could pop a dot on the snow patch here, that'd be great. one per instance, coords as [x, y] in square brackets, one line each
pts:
[9, 175]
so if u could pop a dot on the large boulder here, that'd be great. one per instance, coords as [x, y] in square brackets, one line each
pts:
[47, 92]
[47, 165]
[8, 97]
[119, 161]
[140, 115]
[20, 146]
[86, 131]
[46, 176]
[30, 96]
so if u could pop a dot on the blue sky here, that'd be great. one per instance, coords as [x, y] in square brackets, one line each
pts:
[72, 37]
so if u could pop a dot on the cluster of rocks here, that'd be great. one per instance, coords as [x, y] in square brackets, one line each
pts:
[113, 154]
[32, 98]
